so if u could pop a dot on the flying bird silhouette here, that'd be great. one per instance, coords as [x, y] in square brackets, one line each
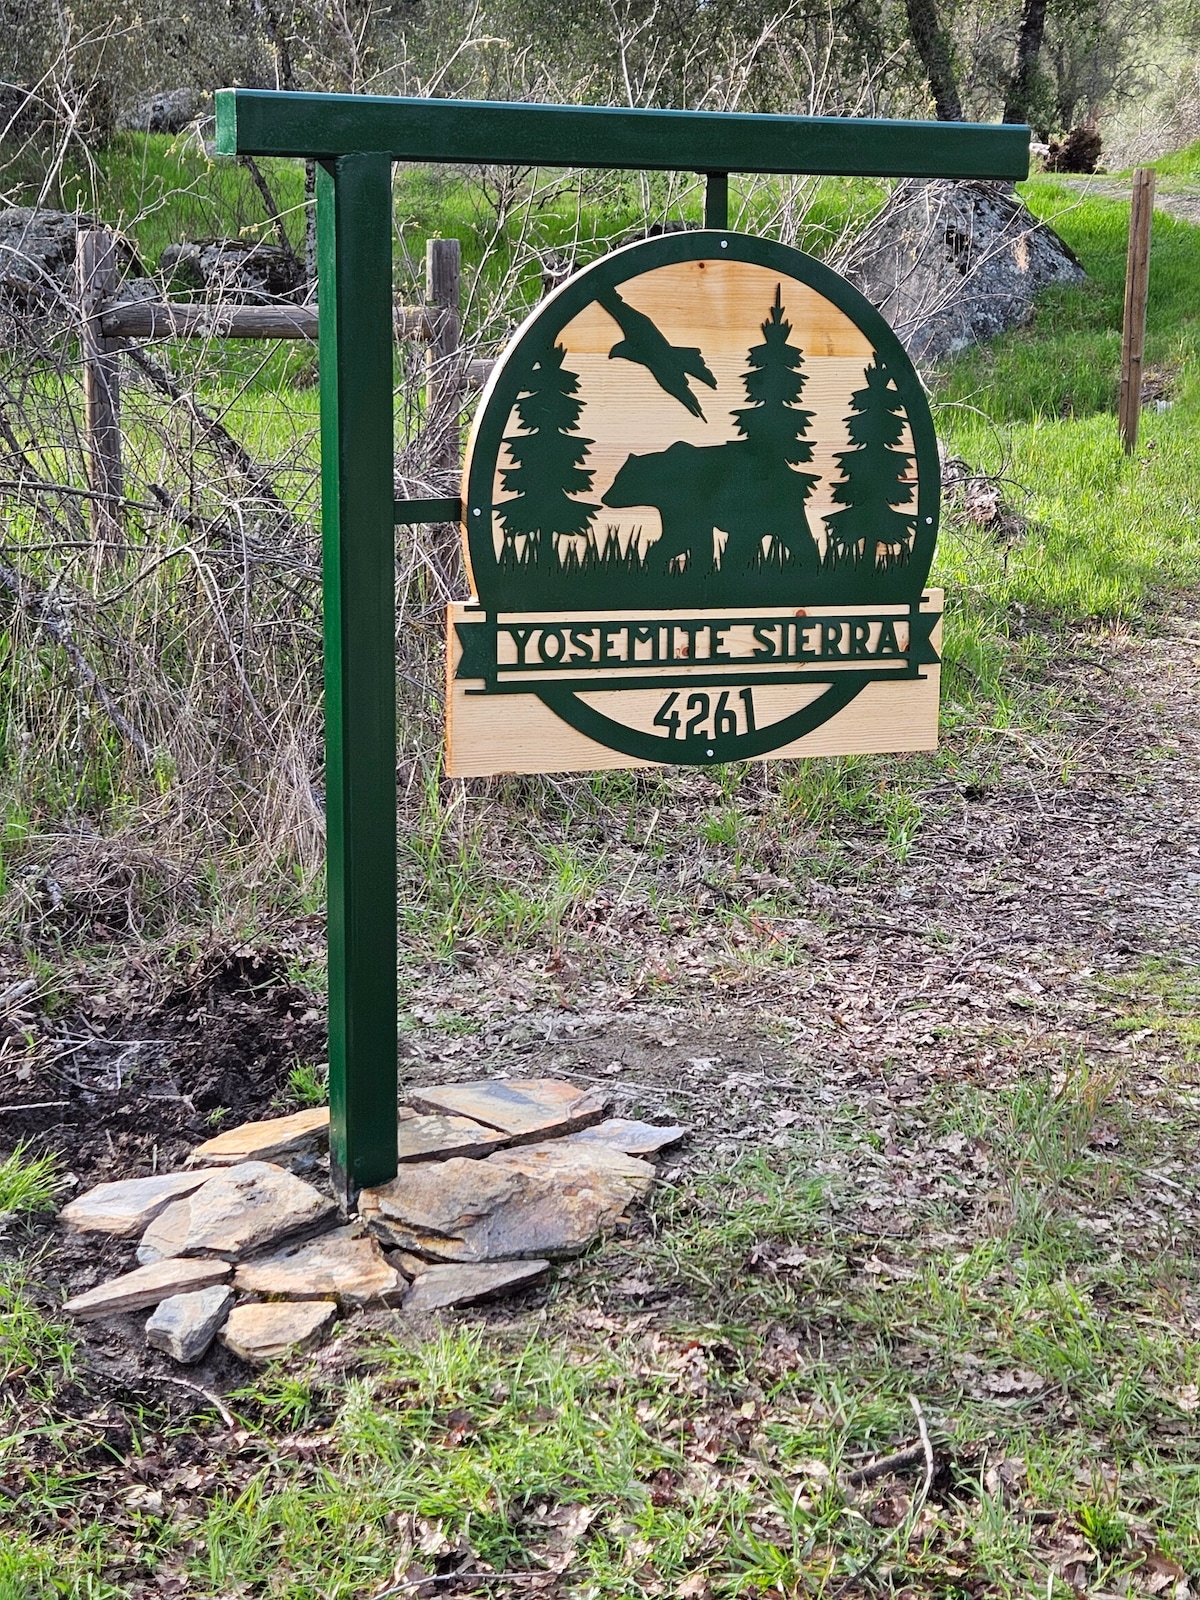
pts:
[668, 364]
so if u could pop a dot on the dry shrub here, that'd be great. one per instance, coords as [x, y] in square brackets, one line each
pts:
[1079, 150]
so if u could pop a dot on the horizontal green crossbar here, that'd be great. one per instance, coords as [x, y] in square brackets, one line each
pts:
[428, 510]
[267, 122]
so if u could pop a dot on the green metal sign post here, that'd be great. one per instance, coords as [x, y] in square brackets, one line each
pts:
[356, 139]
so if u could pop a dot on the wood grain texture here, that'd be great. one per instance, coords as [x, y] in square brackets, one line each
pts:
[487, 735]
[717, 307]
[443, 369]
[160, 319]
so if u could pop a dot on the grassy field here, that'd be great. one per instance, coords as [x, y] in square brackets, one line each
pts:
[1023, 1308]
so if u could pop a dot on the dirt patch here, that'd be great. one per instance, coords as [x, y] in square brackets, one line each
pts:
[121, 1093]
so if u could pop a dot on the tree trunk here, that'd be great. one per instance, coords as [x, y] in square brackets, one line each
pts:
[310, 225]
[1029, 48]
[932, 44]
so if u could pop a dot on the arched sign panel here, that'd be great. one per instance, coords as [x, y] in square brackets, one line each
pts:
[700, 503]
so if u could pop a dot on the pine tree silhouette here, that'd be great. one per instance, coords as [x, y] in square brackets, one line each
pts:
[873, 478]
[547, 467]
[774, 426]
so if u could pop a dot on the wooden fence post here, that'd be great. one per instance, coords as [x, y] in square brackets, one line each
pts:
[1137, 286]
[96, 262]
[444, 374]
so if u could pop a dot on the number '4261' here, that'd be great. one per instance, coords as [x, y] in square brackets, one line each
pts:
[704, 716]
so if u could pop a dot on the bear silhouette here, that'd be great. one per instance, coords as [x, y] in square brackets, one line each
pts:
[697, 489]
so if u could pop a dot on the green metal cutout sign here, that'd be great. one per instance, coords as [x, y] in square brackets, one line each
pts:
[700, 505]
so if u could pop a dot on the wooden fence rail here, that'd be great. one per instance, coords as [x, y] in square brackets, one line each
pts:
[106, 320]
[160, 319]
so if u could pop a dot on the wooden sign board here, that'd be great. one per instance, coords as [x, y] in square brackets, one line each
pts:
[700, 503]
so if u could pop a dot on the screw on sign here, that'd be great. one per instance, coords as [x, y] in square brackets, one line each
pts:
[700, 498]
[701, 503]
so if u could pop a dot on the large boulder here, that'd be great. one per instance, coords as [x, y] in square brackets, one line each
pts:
[952, 263]
[37, 262]
[166, 111]
[233, 268]
[37, 257]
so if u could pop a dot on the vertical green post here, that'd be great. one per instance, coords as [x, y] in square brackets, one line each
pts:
[354, 252]
[716, 200]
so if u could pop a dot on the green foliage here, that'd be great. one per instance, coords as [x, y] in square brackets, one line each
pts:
[1029, 1299]
[1162, 998]
[42, 1571]
[36, 1354]
[1107, 536]
[1064, 366]
[309, 1084]
[859, 797]
[715, 1438]
[27, 1184]
[1183, 163]
[162, 189]
[1103, 1527]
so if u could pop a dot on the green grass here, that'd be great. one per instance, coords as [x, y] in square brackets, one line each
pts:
[27, 1183]
[1183, 163]
[1054, 1362]
[1066, 366]
[1108, 537]
[308, 1084]
[1159, 998]
[37, 1354]
[161, 189]
[1107, 534]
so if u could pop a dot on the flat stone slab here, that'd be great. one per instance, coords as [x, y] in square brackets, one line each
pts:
[345, 1265]
[186, 1324]
[146, 1286]
[264, 1141]
[548, 1200]
[404, 1261]
[524, 1108]
[634, 1138]
[241, 1210]
[438, 1287]
[429, 1137]
[262, 1333]
[124, 1209]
